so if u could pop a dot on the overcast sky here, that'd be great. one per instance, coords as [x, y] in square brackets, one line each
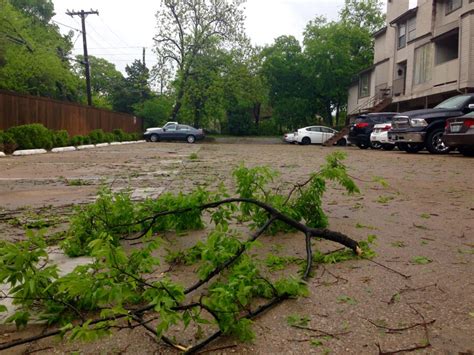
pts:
[123, 28]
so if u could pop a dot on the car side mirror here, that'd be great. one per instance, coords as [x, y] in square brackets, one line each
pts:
[164, 129]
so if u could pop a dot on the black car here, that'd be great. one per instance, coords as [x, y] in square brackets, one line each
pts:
[174, 132]
[363, 126]
[459, 133]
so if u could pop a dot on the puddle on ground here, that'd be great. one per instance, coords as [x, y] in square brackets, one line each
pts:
[56, 257]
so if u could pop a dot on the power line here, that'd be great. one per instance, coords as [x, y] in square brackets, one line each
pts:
[62, 24]
[119, 38]
[83, 14]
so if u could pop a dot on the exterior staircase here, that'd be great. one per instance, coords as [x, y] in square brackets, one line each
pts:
[333, 140]
[374, 104]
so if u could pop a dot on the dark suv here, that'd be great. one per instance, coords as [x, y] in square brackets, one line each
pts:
[363, 126]
[414, 130]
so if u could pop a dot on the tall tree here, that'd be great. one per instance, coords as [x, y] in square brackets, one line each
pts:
[335, 52]
[35, 56]
[104, 79]
[41, 9]
[187, 28]
[284, 69]
[367, 14]
[132, 90]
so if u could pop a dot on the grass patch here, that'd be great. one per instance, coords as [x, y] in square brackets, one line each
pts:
[421, 260]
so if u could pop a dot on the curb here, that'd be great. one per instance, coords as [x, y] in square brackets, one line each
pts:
[63, 149]
[67, 149]
[85, 146]
[29, 152]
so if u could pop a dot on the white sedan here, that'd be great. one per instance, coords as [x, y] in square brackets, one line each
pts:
[379, 137]
[289, 137]
[314, 134]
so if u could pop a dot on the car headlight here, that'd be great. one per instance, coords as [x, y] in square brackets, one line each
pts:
[418, 122]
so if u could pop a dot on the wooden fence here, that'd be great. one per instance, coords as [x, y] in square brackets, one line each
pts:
[17, 109]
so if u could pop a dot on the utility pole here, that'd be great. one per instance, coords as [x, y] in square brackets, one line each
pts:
[144, 57]
[83, 14]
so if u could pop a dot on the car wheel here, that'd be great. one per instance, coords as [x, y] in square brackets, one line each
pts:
[306, 140]
[411, 148]
[435, 144]
[154, 138]
[375, 145]
[363, 146]
[191, 139]
[388, 146]
[341, 142]
[467, 152]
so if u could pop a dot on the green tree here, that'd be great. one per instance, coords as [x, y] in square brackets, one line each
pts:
[35, 57]
[245, 87]
[284, 69]
[335, 53]
[367, 14]
[104, 79]
[41, 9]
[155, 111]
[132, 90]
[187, 29]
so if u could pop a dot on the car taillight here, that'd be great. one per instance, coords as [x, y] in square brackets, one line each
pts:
[469, 123]
[446, 126]
[361, 124]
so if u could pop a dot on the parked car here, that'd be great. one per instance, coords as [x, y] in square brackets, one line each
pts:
[459, 133]
[363, 126]
[157, 128]
[316, 135]
[379, 137]
[412, 131]
[290, 137]
[177, 132]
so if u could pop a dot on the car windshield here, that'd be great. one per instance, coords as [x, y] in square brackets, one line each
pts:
[456, 102]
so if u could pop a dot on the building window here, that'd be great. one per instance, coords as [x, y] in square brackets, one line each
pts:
[453, 5]
[402, 35]
[364, 85]
[411, 29]
[447, 48]
[406, 32]
[423, 64]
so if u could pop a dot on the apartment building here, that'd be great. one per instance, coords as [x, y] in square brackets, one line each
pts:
[424, 54]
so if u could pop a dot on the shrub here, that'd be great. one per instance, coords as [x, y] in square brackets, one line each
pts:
[32, 136]
[134, 136]
[77, 140]
[109, 137]
[60, 138]
[97, 136]
[120, 135]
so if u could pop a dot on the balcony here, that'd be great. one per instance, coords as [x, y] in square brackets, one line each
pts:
[398, 87]
[445, 73]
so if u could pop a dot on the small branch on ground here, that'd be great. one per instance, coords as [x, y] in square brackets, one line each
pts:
[426, 344]
[389, 268]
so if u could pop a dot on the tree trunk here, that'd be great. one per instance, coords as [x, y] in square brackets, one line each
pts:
[338, 111]
[328, 114]
[256, 113]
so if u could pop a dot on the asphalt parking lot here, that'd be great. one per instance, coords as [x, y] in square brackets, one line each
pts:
[420, 207]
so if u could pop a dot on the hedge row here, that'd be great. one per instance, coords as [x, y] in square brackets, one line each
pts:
[36, 136]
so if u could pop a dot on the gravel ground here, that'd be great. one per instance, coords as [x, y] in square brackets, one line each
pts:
[425, 212]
